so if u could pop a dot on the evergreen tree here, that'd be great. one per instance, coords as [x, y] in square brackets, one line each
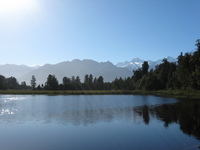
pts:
[66, 83]
[52, 83]
[33, 82]
[77, 80]
[90, 79]
[23, 85]
[100, 81]
[2, 82]
[12, 83]
[86, 79]
[145, 67]
[137, 74]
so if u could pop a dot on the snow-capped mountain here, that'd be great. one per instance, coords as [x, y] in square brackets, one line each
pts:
[76, 68]
[137, 63]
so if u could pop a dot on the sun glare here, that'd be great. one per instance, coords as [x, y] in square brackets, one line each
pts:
[13, 6]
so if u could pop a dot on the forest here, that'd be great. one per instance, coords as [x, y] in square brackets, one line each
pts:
[182, 75]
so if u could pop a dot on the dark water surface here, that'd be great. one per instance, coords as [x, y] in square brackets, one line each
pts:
[99, 122]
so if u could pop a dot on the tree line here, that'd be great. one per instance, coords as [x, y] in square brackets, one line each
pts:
[11, 83]
[73, 83]
[183, 74]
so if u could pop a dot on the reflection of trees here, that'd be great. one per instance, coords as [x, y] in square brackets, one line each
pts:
[189, 118]
[185, 113]
[166, 113]
[143, 111]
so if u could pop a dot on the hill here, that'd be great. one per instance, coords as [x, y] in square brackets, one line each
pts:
[77, 68]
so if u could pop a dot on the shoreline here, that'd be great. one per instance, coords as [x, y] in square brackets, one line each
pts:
[193, 94]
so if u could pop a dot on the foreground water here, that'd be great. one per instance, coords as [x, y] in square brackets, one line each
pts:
[98, 122]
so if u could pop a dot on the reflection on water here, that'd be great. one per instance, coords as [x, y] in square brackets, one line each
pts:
[9, 98]
[8, 112]
[184, 113]
[75, 110]
[141, 112]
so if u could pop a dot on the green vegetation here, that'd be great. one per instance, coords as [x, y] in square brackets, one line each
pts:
[181, 79]
[71, 92]
[194, 94]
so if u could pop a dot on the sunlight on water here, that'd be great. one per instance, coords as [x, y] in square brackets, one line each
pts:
[9, 98]
[8, 112]
[8, 105]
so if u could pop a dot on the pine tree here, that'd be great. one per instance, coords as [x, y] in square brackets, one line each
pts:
[33, 82]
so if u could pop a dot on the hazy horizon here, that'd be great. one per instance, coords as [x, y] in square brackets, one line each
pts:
[38, 65]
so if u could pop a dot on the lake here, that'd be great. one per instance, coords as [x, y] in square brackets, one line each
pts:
[98, 122]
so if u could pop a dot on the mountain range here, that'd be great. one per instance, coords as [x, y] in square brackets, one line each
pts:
[68, 68]
[75, 68]
[137, 63]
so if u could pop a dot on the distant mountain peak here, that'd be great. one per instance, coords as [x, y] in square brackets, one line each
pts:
[137, 59]
[136, 63]
[35, 66]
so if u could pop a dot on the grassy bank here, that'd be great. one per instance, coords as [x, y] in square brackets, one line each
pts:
[193, 94]
[86, 92]
[162, 93]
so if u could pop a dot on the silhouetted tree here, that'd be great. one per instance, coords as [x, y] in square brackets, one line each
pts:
[33, 82]
[195, 64]
[77, 80]
[198, 45]
[115, 84]
[100, 83]
[100, 79]
[66, 83]
[152, 82]
[86, 79]
[12, 83]
[23, 85]
[137, 74]
[73, 80]
[129, 84]
[90, 79]
[52, 83]
[88, 82]
[39, 87]
[77, 83]
[95, 80]
[2, 82]
[145, 67]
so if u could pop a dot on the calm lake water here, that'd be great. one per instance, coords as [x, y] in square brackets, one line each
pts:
[99, 122]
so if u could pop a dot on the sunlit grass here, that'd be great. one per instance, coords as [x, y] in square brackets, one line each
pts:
[68, 92]
[162, 93]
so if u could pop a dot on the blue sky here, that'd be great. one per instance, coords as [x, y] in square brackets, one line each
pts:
[51, 31]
